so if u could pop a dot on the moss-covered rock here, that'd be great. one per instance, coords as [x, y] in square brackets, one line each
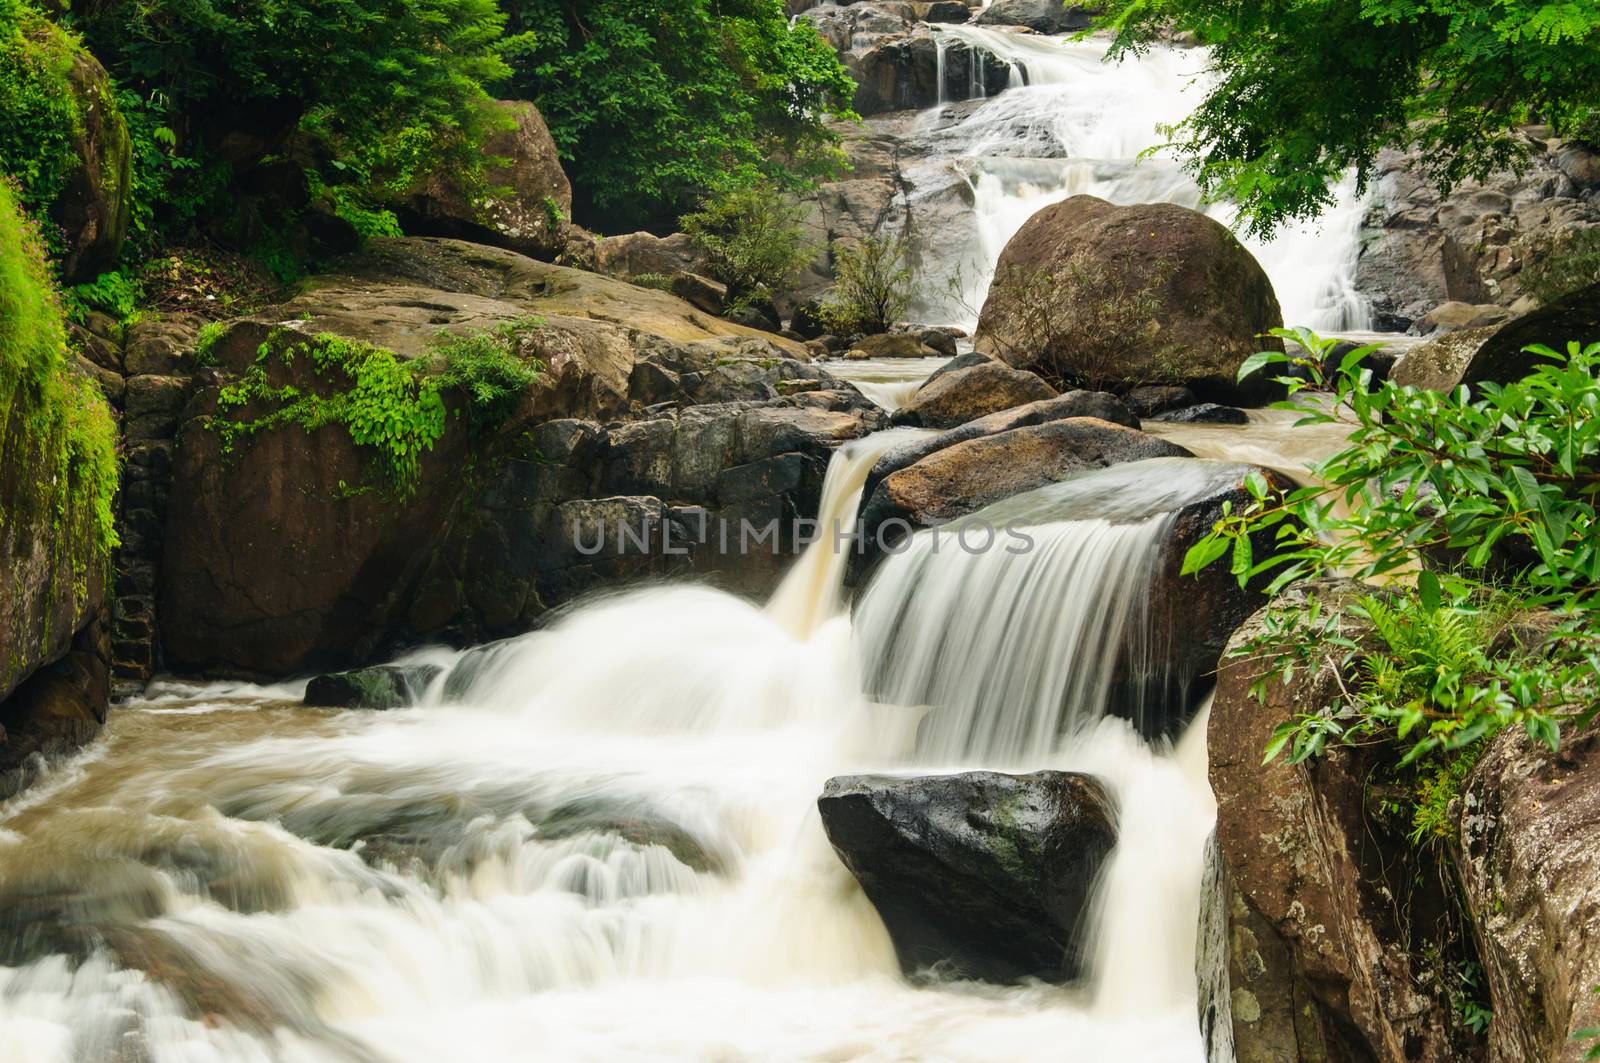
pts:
[64, 140]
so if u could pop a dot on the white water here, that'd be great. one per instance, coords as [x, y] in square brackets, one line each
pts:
[594, 842]
[1079, 127]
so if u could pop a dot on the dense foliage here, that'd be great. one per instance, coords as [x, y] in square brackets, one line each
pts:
[365, 93]
[54, 415]
[872, 287]
[1493, 491]
[752, 240]
[1303, 92]
[659, 102]
[39, 118]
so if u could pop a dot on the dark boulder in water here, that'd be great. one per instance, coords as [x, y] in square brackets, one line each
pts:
[966, 394]
[383, 686]
[979, 875]
[1204, 413]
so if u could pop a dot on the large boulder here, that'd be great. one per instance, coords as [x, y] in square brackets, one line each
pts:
[1041, 16]
[967, 394]
[1317, 883]
[980, 875]
[94, 208]
[1496, 354]
[1148, 294]
[524, 198]
[1530, 875]
[284, 553]
[643, 254]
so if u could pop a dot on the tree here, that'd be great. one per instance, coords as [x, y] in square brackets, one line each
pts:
[753, 241]
[1309, 89]
[657, 103]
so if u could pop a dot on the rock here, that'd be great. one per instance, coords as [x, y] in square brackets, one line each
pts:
[703, 292]
[288, 555]
[1496, 353]
[646, 254]
[153, 404]
[1528, 866]
[1153, 399]
[751, 317]
[525, 198]
[956, 480]
[965, 394]
[1448, 317]
[980, 875]
[1317, 879]
[1580, 162]
[945, 11]
[157, 345]
[895, 345]
[1201, 299]
[95, 206]
[384, 686]
[1041, 16]
[58, 708]
[900, 71]
[1204, 413]
[1096, 404]
[938, 340]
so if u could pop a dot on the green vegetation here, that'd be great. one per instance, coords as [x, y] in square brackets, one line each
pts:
[490, 368]
[392, 405]
[752, 240]
[872, 286]
[1494, 493]
[39, 117]
[1304, 92]
[655, 103]
[64, 430]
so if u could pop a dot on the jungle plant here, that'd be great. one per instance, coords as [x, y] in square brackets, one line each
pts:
[491, 367]
[752, 240]
[872, 285]
[1493, 491]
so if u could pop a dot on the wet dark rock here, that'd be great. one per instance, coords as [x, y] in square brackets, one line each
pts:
[1153, 399]
[979, 875]
[1041, 16]
[384, 686]
[1204, 413]
[1496, 353]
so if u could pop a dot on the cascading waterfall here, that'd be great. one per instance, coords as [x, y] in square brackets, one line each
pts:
[1073, 124]
[593, 842]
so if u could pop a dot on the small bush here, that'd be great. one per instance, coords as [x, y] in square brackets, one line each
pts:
[490, 368]
[872, 287]
[752, 240]
[1558, 267]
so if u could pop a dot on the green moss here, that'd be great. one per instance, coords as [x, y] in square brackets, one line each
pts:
[64, 424]
[40, 118]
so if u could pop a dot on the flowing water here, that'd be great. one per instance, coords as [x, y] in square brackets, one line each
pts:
[1074, 124]
[593, 842]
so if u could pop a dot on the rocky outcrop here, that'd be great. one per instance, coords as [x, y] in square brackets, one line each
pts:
[642, 254]
[1319, 887]
[1420, 251]
[1497, 353]
[382, 686]
[58, 708]
[1041, 16]
[967, 394]
[522, 199]
[1531, 879]
[285, 554]
[980, 875]
[1149, 294]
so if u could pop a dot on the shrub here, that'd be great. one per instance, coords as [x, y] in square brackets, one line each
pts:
[1557, 267]
[1495, 494]
[39, 117]
[653, 103]
[872, 286]
[491, 369]
[752, 240]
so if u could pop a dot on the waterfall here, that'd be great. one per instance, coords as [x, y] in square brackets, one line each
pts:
[1073, 124]
[1054, 582]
